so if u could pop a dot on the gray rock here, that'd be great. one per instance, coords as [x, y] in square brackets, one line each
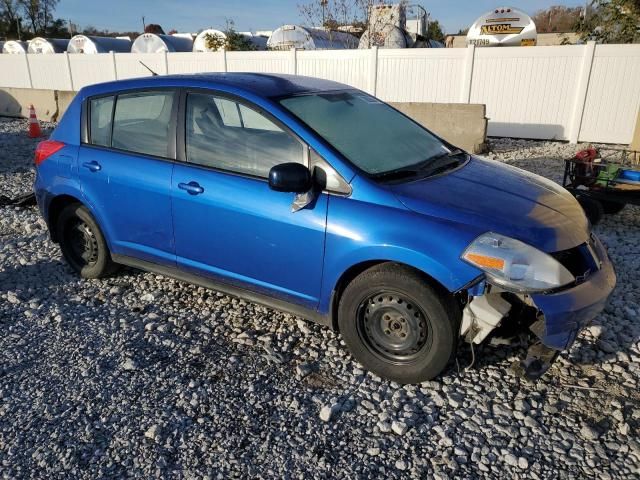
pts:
[327, 412]
[589, 433]
[303, 327]
[13, 298]
[401, 465]
[511, 459]
[368, 405]
[384, 426]
[399, 428]
[130, 364]
[153, 432]
[147, 297]
[303, 369]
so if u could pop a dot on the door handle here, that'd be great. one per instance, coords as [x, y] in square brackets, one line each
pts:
[192, 188]
[92, 166]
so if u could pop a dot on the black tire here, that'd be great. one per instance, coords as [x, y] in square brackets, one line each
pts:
[593, 209]
[82, 243]
[387, 301]
[611, 208]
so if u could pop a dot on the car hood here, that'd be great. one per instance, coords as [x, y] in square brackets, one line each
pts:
[500, 198]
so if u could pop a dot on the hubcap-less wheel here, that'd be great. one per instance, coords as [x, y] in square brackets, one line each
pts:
[392, 327]
[397, 325]
[82, 242]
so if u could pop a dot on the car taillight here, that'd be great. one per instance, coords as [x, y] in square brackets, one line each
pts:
[45, 149]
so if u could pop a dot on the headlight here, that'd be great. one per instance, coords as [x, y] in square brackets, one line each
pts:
[514, 265]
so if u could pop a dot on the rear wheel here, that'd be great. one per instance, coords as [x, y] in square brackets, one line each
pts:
[396, 325]
[82, 243]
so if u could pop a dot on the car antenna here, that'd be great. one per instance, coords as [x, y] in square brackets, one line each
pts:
[152, 72]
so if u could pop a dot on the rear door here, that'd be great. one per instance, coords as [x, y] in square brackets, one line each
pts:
[125, 167]
[229, 225]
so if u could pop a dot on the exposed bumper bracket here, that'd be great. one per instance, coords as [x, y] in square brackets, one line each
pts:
[539, 359]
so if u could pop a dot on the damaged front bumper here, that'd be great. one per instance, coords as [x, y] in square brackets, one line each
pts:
[555, 318]
[569, 311]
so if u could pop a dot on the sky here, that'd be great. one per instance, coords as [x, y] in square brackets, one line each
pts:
[251, 15]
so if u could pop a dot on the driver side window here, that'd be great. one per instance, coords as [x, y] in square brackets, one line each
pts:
[224, 134]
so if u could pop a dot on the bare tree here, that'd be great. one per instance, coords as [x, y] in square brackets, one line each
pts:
[9, 10]
[9, 16]
[330, 14]
[48, 7]
[557, 19]
[39, 13]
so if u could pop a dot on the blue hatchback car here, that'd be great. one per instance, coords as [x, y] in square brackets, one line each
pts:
[318, 199]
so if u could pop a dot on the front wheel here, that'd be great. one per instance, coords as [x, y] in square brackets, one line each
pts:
[82, 243]
[396, 325]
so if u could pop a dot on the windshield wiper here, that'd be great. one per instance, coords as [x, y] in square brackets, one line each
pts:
[399, 174]
[431, 166]
[441, 163]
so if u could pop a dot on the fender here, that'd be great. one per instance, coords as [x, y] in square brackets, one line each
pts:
[431, 245]
[452, 280]
[72, 188]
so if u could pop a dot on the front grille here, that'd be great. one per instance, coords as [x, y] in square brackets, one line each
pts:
[579, 261]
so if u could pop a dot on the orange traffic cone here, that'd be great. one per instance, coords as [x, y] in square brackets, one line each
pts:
[34, 125]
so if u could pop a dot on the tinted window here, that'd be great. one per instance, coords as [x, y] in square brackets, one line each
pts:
[370, 133]
[101, 110]
[141, 122]
[229, 112]
[252, 119]
[223, 134]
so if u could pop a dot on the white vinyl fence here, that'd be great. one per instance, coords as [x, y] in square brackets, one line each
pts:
[580, 92]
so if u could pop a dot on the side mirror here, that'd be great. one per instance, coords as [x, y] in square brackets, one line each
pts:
[290, 177]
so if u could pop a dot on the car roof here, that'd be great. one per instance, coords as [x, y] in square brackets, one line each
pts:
[267, 85]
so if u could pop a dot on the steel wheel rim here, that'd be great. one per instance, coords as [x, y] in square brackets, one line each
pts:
[393, 327]
[82, 243]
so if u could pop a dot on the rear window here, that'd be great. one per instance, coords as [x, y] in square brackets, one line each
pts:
[141, 122]
[101, 111]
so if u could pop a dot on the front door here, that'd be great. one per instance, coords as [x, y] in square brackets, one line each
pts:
[228, 223]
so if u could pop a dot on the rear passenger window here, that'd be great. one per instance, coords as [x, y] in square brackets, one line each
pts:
[224, 134]
[101, 110]
[141, 122]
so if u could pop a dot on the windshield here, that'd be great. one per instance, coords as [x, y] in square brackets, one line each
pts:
[368, 132]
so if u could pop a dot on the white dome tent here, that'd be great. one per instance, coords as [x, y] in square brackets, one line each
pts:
[14, 46]
[158, 43]
[92, 45]
[48, 45]
[294, 36]
[200, 42]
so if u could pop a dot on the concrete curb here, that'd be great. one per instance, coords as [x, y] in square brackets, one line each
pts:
[462, 124]
[49, 104]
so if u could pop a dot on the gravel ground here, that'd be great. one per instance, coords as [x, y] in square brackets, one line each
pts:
[140, 375]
